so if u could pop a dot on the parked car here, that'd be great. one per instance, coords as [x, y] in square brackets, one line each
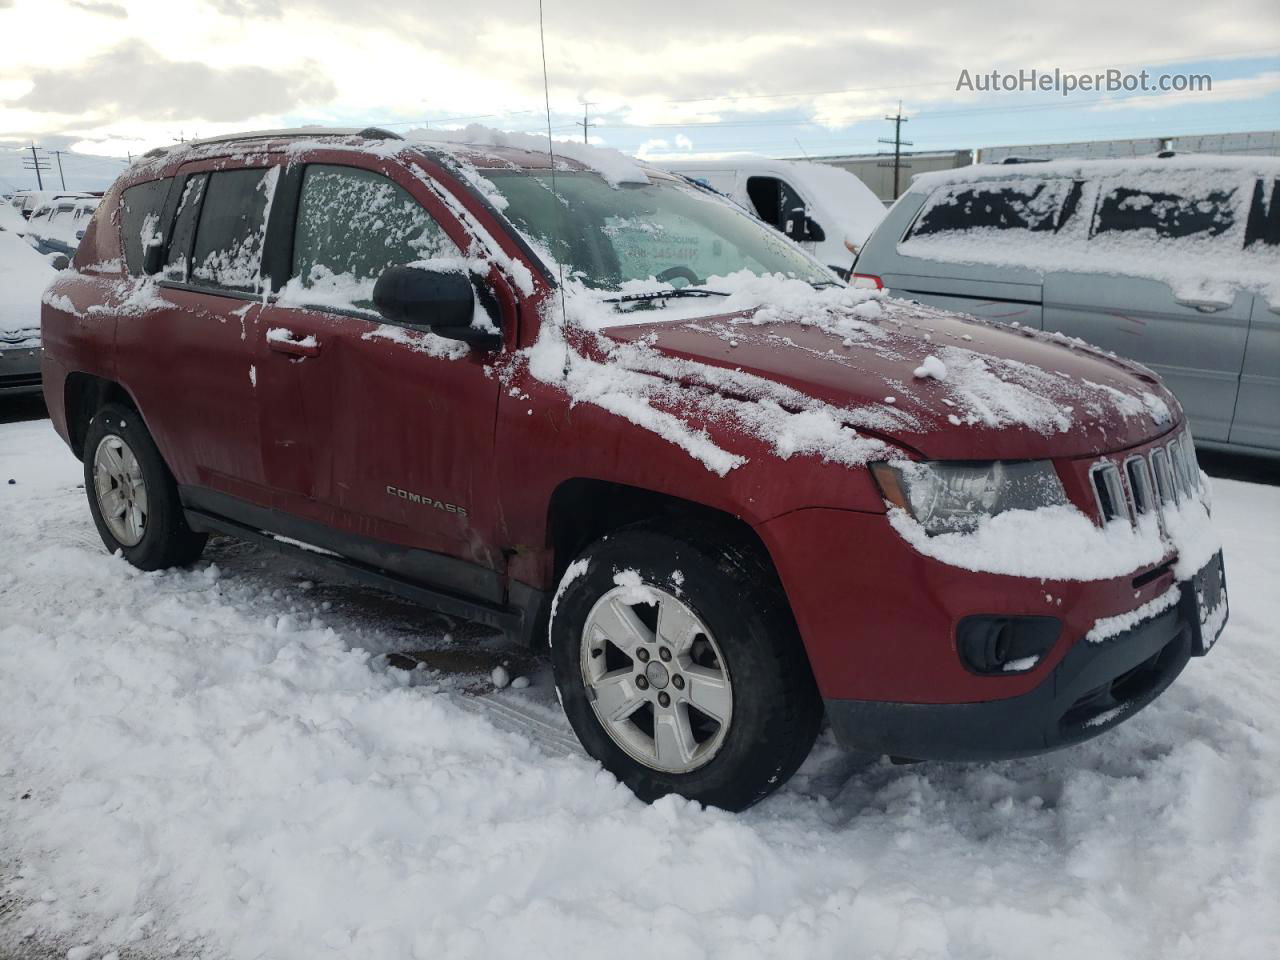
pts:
[827, 210]
[1172, 261]
[27, 202]
[59, 226]
[24, 274]
[598, 407]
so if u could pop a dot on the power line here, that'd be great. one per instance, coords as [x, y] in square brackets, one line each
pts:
[585, 122]
[898, 143]
[36, 163]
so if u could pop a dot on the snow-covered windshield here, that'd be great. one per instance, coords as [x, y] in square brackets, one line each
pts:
[607, 236]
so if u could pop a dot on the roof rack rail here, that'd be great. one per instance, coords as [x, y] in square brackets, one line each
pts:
[368, 133]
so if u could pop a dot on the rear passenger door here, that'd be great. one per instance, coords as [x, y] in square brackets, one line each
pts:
[187, 353]
[1196, 343]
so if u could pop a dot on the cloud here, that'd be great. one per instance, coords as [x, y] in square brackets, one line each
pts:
[652, 146]
[1238, 88]
[96, 6]
[132, 80]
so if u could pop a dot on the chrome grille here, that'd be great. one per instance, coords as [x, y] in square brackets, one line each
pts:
[1146, 484]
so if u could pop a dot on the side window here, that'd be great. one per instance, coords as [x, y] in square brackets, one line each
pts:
[1207, 212]
[353, 224]
[232, 228]
[766, 197]
[184, 227]
[140, 208]
[1263, 229]
[1025, 204]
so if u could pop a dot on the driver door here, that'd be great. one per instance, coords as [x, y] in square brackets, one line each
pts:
[382, 433]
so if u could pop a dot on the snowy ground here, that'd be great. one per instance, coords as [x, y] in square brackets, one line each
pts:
[224, 763]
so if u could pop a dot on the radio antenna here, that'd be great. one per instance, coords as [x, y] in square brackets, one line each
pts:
[551, 151]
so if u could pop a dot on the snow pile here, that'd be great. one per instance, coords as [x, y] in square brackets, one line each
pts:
[931, 367]
[1206, 198]
[209, 764]
[24, 274]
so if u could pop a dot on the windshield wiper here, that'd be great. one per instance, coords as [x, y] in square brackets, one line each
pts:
[666, 295]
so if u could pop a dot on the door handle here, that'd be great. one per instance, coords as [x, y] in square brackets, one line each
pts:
[1204, 306]
[286, 341]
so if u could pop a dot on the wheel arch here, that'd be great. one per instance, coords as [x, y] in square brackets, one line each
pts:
[581, 510]
[83, 395]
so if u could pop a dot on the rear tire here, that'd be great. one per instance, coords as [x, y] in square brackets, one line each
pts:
[724, 718]
[133, 496]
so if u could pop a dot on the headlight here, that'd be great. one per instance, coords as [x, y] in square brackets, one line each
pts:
[953, 497]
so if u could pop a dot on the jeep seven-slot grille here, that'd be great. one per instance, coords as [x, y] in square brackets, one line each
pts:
[1147, 484]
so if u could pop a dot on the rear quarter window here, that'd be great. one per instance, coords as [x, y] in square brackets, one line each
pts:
[140, 209]
[232, 230]
[1026, 204]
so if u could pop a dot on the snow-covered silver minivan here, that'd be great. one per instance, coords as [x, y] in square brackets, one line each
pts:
[1171, 261]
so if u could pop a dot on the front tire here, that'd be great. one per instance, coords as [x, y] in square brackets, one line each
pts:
[133, 496]
[681, 670]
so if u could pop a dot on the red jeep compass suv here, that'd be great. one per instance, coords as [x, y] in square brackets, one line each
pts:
[596, 405]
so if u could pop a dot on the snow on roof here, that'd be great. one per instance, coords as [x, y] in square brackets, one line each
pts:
[614, 166]
[1079, 169]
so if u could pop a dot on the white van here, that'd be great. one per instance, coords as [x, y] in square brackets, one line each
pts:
[825, 209]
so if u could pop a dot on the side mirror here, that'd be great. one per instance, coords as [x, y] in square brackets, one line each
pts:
[442, 301]
[801, 227]
[60, 261]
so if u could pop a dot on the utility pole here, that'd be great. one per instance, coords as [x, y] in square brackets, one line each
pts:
[584, 123]
[898, 143]
[58, 156]
[36, 163]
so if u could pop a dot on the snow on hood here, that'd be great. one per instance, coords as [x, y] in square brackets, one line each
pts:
[845, 375]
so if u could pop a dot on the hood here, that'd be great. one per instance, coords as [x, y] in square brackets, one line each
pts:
[945, 385]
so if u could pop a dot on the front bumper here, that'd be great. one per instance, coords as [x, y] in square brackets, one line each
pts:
[1093, 688]
[19, 369]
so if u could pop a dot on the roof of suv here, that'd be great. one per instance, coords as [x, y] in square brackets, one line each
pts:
[475, 145]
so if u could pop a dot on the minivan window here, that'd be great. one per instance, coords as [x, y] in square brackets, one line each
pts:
[232, 227]
[1263, 228]
[140, 208]
[184, 227]
[1207, 212]
[353, 224]
[1025, 204]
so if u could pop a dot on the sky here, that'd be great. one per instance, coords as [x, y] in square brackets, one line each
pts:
[102, 79]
